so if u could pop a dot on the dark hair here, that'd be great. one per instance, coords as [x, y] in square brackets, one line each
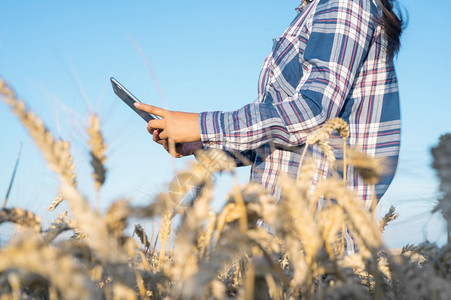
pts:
[392, 24]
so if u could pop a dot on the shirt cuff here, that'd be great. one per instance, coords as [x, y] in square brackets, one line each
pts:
[211, 124]
[215, 132]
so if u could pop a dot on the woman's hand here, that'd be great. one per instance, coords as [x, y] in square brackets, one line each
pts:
[177, 132]
[177, 150]
[180, 127]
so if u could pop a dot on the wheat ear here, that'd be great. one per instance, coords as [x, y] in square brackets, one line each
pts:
[58, 226]
[28, 252]
[56, 152]
[388, 217]
[165, 230]
[360, 219]
[21, 217]
[97, 153]
[321, 137]
[116, 217]
[212, 217]
[368, 167]
[442, 165]
[140, 232]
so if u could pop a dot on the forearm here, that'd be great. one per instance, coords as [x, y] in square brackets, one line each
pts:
[245, 129]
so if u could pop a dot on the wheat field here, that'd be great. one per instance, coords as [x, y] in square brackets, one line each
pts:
[227, 254]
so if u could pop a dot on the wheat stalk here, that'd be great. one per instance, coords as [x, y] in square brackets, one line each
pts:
[12, 177]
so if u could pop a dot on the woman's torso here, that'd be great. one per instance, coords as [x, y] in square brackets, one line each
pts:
[371, 106]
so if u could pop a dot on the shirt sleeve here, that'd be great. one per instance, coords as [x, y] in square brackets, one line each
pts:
[332, 47]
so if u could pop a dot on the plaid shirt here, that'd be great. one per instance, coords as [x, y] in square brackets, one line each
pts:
[330, 62]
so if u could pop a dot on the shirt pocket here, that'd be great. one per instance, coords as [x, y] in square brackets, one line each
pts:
[286, 69]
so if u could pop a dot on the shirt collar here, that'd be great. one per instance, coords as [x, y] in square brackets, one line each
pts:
[303, 5]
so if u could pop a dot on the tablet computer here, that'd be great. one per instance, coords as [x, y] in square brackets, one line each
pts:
[129, 99]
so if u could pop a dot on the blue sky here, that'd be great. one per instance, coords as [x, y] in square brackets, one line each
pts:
[206, 55]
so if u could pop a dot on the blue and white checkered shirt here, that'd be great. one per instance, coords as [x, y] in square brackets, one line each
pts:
[330, 62]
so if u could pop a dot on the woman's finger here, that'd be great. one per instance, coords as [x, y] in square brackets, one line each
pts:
[156, 124]
[172, 149]
[163, 135]
[165, 145]
[156, 137]
[160, 142]
[151, 109]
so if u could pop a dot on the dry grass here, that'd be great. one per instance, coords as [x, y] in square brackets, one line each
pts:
[229, 254]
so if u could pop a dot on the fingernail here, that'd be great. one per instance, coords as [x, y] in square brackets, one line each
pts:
[137, 104]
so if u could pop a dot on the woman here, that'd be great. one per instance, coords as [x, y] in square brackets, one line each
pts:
[334, 60]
